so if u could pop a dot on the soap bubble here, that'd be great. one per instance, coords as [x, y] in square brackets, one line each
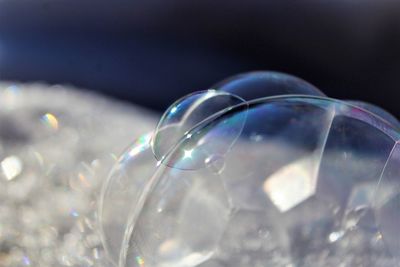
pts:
[190, 110]
[297, 186]
[258, 84]
[177, 124]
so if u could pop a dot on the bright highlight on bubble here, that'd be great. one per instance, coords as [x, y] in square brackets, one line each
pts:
[179, 122]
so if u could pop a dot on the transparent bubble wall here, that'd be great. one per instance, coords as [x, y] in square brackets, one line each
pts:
[263, 170]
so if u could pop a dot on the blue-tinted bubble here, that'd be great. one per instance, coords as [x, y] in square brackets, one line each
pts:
[258, 84]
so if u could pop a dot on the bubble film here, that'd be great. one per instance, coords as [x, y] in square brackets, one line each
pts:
[257, 84]
[176, 123]
[378, 111]
[128, 179]
[302, 180]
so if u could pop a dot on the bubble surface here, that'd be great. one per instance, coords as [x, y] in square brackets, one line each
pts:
[259, 84]
[178, 127]
[377, 111]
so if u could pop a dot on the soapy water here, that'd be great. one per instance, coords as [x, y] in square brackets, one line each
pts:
[263, 171]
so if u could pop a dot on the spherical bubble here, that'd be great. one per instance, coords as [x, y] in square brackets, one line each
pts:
[297, 187]
[258, 84]
[177, 124]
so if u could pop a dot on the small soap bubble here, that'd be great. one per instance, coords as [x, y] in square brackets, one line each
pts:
[179, 122]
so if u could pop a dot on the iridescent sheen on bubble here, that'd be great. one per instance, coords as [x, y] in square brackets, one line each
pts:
[304, 176]
[299, 180]
[377, 111]
[258, 84]
[177, 124]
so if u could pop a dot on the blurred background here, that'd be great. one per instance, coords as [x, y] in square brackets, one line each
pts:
[152, 52]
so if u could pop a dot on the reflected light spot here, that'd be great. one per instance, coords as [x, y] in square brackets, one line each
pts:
[141, 144]
[335, 236]
[210, 93]
[188, 154]
[26, 260]
[50, 121]
[83, 180]
[291, 185]
[11, 167]
[140, 260]
[74, 213]
[174, 110]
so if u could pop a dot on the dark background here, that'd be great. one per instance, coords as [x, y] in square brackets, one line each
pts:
[152, 52]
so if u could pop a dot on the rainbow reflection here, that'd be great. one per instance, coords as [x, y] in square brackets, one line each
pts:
[50, 121]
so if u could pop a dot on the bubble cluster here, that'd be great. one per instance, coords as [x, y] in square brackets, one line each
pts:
[276, 175]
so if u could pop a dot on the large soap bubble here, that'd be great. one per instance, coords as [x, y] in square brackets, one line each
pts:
[299, 181]
[257, 84]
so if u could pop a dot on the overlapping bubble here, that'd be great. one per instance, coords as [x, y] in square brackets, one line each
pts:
[262, 171]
